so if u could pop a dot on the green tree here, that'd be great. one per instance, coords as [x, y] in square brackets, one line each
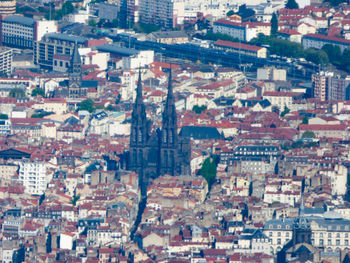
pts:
[92, 23]
[274, 25]
[199, 109]
[146, 28]
[292, 4]
[333, 53]
[87, 105]
[17, 93]
[48, 243]
[115, 22]
[75, 200]
[41, 114]
[345, 61]
[335, 2]
[230, 13]
[208, 170]
[285, 111]
[216, 36]
[3, 116]
[38, 91]
[305, 120]
[316, 56]
[308, 134]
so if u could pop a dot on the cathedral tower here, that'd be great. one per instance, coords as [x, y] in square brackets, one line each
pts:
[75, 89]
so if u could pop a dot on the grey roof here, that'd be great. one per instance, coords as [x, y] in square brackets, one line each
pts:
[111, 48]
[169, 34]
[66, 37]
[76, 56]
[200, 133]
[20, 20]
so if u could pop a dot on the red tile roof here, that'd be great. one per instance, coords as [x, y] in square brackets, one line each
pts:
[237, 45]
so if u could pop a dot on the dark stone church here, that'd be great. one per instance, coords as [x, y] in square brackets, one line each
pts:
[161, 151]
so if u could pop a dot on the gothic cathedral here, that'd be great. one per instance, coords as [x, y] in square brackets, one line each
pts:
[162, 151]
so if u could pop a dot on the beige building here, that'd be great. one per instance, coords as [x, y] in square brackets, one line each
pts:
[7, 171]
[58, 106]
[168, 37]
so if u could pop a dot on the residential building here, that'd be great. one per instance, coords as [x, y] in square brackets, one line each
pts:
[242, 31]
[318, 41]
[55, 44]
[272, 73]
[7, 7]
[33, 176]
[330, 86]
[157, 12]
[6, 58]
[21, 32]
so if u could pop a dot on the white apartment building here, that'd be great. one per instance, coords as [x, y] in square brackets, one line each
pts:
[33, 177]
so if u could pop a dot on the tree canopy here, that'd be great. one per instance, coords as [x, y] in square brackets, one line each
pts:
[199, 109]
[38, 91]
[3, 116]
[308, 134]
[87, 105]
[208, 170]
[17, 93]
[274, 25]
[292, 4]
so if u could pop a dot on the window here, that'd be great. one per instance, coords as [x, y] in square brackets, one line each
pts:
[329, 234]
[270, 234]
[321, 235]
[338, 235]
[279, 234]
[346, 242]
[321, 242]
[337, 242]
[278, 241]
[329, 242]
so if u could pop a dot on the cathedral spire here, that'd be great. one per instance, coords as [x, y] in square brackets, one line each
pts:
[76, 56]
[139, 87]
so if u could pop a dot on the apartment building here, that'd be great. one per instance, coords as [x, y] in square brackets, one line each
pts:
[6, 58]
[157, 12]
[52, 44]
[33, 177]
[21, 32]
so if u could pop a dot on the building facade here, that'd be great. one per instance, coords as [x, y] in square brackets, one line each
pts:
[157, 12]
[162, 151]
[33, 177]
[7, 7]
[21, 32]
[6, 58]
[55, 44]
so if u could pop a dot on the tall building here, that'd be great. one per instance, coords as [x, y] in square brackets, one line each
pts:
[160, 152]
[157, 12]
[7, 7]
[129, 14]
[75, 89]
[330, 86]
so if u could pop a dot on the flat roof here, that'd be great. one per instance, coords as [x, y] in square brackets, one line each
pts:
[19, 20]
[66, 37]
[112, 48]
